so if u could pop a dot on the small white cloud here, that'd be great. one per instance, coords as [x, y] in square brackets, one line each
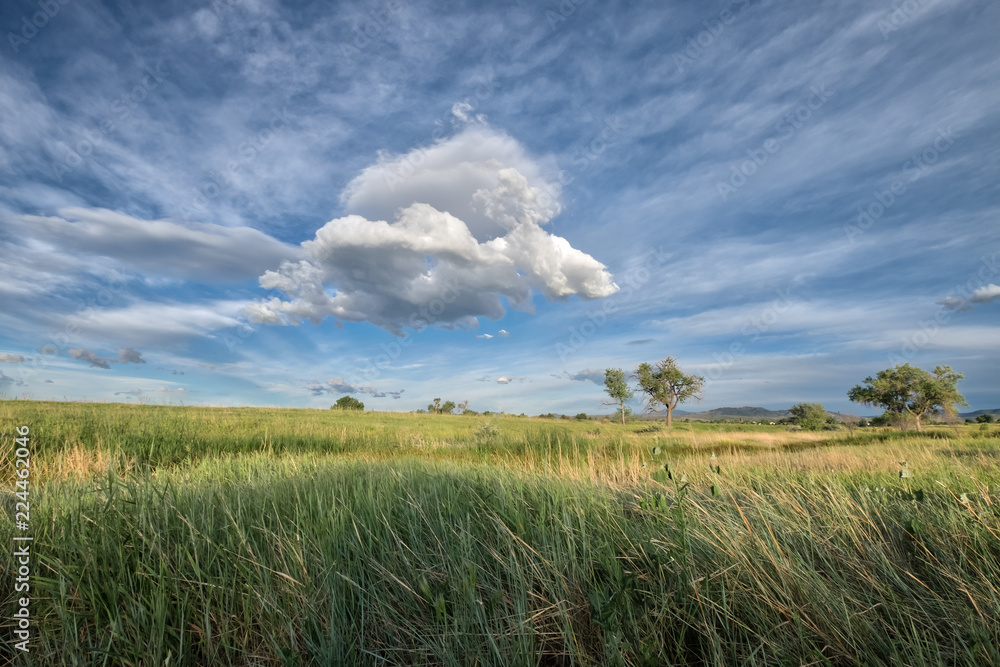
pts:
[503, 333]
[484, 336]
[503, 379]
[986, 294]
[11, 359]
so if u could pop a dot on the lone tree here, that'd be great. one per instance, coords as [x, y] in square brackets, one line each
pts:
[348, 403]
[912, 390]
[667, 385]
[809, 416]
[617, 387]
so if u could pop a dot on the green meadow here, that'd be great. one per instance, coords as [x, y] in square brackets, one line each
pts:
[253, 536]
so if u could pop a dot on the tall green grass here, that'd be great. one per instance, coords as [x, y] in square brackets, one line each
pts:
[543, 545]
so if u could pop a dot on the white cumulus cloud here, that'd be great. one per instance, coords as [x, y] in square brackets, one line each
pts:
[447, 175]
[465, 232]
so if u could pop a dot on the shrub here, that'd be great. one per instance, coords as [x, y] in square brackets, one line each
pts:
[487, 430]
[347, 403]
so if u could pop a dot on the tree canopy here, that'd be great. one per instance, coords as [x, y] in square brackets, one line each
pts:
[667, 385]
[810, 416]
[446, 408]
[911, 390]
[348, 403]
[617, 388]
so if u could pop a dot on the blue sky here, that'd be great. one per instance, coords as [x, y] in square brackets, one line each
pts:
[251, 202]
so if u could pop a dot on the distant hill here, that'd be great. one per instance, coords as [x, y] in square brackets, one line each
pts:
[976, 413]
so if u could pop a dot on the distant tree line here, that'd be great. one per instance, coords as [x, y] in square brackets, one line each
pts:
[907, 394]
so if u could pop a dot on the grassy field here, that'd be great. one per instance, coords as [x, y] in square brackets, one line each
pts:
[210, 536]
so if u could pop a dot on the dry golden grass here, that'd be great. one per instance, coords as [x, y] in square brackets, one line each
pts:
[743, 439]
[76, 462]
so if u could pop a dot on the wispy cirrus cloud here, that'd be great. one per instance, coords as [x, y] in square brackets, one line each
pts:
[201, 252]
